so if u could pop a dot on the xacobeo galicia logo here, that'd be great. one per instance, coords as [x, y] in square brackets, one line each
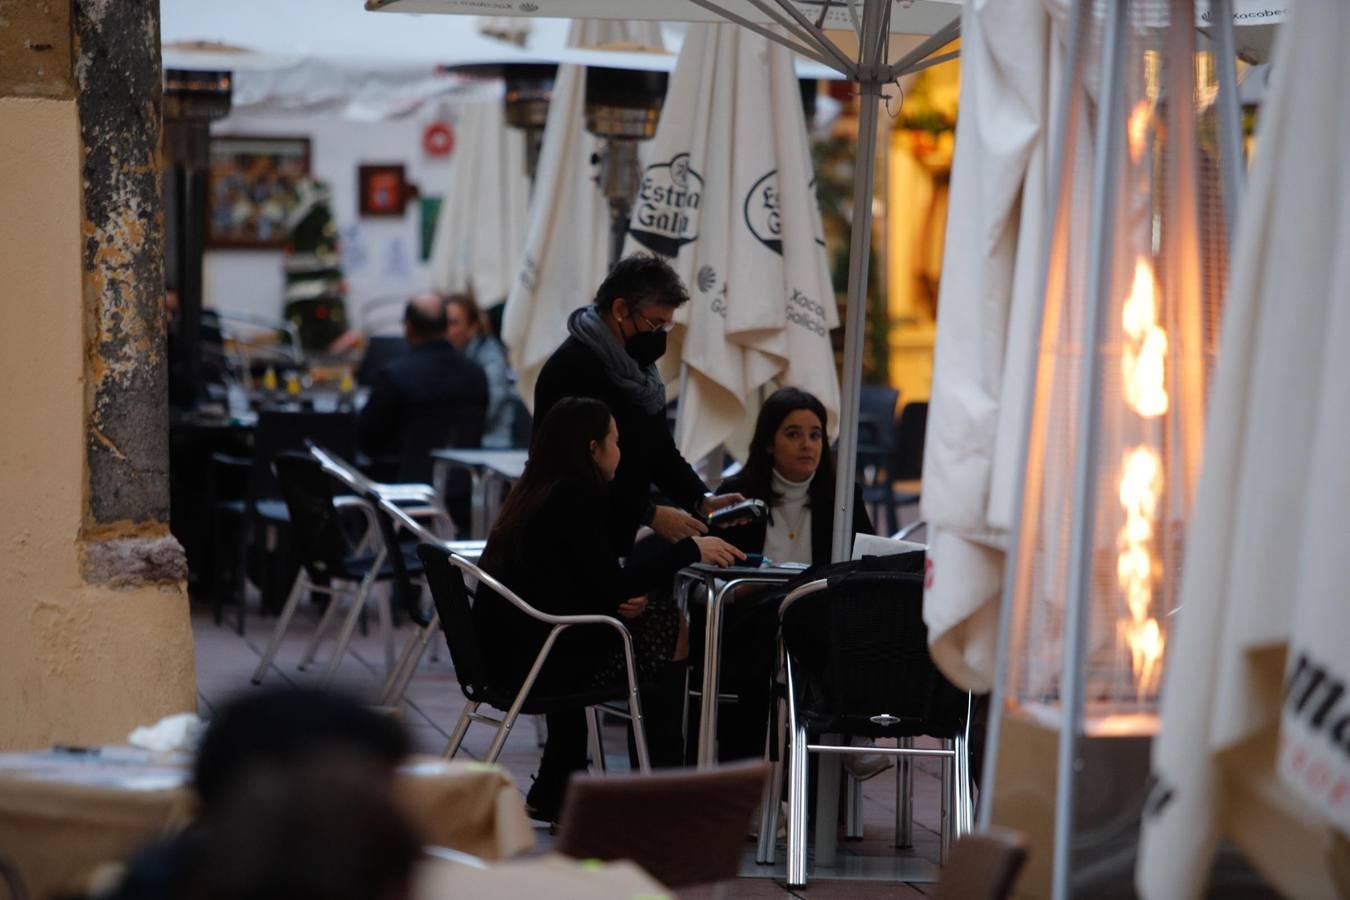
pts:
[666, 214]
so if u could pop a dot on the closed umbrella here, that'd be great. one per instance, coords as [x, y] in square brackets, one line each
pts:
[1264, 587]
[566, 250]
[727, 196]
[1012, 53]
[480, 230]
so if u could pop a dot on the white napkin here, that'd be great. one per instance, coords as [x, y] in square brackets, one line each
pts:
[174, 733]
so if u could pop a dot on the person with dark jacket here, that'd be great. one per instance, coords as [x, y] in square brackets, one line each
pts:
[549, 545]
[789, 467]
[430, 397]
[610, 354]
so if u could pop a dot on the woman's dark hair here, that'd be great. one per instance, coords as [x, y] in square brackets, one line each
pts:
[758, 469]
[560, 451]
[642, 280]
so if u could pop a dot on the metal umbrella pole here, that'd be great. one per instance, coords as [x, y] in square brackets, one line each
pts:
[872, 45]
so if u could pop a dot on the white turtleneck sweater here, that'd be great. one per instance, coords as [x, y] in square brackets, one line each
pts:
[788, 538]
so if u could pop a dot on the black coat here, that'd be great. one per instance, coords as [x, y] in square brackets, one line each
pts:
[750, 538]
[430, 397]
[649, 456]
[563, 564]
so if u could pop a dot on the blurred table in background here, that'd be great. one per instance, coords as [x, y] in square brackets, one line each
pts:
[490, 472]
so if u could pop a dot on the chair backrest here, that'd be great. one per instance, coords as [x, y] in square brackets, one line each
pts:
[876, 417]
[450, 595]
[408, 593]
[684, 827]
[316, 528]
[983, 866]
[282, 431]
[859, 648]
[910, 429]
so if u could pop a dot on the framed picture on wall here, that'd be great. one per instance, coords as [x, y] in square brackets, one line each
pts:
[251, 189]
[383, 189]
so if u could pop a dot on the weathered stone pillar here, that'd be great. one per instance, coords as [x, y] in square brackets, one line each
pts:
[95, 636]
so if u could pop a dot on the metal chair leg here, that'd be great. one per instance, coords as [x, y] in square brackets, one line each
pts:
[947, 808]
[853, 808]
[386, 616]
[773, 791]
[639, 727]
[963, 822]
[595, 746]
[397, 684]
[796, 850]
[904, 796]
[461, 729]
[348, 626]
[283, 622]
[325, 622]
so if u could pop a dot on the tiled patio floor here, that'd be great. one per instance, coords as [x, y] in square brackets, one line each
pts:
[225, 662]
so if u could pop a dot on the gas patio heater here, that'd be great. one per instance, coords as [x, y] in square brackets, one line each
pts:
[1134, 276]
[623, 107]
[853, 37]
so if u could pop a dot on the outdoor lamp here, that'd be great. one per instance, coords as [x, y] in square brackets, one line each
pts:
[1133, 285]
[623, 107]
[192, 100]
[529, 87]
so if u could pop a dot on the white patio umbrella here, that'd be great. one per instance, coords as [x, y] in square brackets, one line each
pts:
[480, 231]
[1268, 554]
[861, 55]
[566, 250]
[1012, 56]
[727, 196]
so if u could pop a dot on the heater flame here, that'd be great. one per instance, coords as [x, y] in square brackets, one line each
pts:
[1145, 346]
[1136, 129]
[1141, 478]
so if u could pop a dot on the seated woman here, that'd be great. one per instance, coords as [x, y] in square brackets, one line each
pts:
[551, 545]
[789, 468]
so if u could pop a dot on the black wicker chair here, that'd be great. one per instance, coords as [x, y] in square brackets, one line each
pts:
[856, 663]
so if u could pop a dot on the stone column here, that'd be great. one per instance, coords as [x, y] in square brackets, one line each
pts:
[95, 636]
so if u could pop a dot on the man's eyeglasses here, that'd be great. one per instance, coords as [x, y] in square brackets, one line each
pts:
[653, 326]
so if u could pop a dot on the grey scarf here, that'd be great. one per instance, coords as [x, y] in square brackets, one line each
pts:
[642, 386]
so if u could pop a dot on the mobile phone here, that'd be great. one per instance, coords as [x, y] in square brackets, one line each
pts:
[753, 560]
[742, 513]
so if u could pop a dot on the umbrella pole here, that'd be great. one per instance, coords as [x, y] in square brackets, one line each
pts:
[860, 248]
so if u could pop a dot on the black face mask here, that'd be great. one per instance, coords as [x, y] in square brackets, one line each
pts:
[646, 347]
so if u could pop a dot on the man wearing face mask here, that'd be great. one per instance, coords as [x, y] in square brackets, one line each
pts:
[610, 354]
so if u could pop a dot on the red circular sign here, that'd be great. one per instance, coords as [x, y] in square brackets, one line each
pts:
[438, 139]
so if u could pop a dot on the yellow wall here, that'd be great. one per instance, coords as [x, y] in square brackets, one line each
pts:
[78, 664]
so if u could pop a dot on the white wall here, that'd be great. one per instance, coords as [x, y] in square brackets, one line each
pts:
[380, 255]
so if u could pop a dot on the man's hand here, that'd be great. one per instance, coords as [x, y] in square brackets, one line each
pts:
[720, 501]
[676, 524]
[634, 607]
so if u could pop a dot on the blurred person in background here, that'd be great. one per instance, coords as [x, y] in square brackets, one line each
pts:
[467, 331]
[428, 398]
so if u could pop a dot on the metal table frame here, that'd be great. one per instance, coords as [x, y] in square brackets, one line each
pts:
[484, 468]
[737, 577]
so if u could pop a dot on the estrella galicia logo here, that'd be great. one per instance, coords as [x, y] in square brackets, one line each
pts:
[667, 212]
[762, 214]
